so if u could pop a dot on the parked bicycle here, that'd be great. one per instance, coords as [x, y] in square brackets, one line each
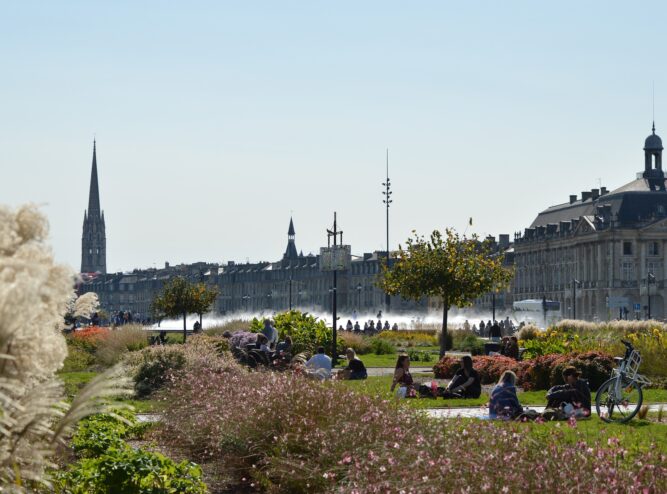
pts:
[620, 397]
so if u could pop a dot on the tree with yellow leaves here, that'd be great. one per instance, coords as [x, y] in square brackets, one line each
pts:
[179, 297]
[453, 268]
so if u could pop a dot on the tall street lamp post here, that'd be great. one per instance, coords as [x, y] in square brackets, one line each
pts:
[575, 283]
[335, 233]
[387, 202]
[650, 278]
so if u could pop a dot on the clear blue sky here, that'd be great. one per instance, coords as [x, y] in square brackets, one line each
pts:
[215, 120]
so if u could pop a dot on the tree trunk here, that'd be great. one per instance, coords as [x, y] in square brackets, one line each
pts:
[200, 325]
[185, 328]
[443, 339]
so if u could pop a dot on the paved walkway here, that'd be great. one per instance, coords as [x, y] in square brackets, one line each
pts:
[389, 371]
[482, 412]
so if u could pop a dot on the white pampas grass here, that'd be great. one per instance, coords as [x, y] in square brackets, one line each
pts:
[34, 293]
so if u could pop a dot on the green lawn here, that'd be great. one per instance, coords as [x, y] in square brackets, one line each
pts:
[389, 360]
[379, 386]
[74, 381]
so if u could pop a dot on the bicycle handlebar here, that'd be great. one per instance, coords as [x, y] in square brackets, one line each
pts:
[627, 344]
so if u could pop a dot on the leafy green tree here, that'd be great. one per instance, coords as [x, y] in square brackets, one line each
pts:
[203, 299]
[455, 269]
[179, 297]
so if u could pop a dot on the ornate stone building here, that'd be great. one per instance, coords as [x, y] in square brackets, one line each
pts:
[601, 252]
[93, 240]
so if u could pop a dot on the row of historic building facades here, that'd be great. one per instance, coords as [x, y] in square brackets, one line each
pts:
[600, 253]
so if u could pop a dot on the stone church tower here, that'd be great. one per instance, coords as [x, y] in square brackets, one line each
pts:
[94, 240]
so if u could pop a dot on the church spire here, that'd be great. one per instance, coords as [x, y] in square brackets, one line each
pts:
[291, 252]
[93, 239]
[94, 197]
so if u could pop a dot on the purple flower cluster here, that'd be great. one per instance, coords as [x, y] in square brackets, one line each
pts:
[285, 433]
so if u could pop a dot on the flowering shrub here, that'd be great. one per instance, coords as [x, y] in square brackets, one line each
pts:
[648, 337]
[157, 365]
[242, 338]
[282, 433]
[538, 373]
[88, 338]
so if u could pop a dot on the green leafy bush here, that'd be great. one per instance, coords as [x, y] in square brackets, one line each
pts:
[77, 359]
[307, 331]
[124, 470]
[420, 356]
[97, 434]
[469, 342]
[156, 366]
[381, 347]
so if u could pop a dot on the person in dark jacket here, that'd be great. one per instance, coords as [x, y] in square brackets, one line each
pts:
[575, 391]
[355, 367]
[495, 332]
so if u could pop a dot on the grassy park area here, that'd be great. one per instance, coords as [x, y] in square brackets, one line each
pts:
[200, 409]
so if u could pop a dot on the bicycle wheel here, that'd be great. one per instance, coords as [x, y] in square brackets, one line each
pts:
[621, 408]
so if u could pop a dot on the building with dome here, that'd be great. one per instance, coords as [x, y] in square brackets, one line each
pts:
[601, 254]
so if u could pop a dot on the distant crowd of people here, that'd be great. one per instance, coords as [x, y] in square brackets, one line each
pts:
[493, 330]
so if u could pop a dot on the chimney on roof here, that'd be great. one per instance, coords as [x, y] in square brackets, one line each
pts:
[585, 196]
[595, 193]
[573, 199]
[603, 191]
[166, 265]
[504, 241]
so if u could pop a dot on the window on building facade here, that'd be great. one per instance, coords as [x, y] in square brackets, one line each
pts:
[654, 268]
[653, 249]
[628, 271]
[627, 248]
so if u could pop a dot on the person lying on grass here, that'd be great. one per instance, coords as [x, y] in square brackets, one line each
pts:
[504, 402]
[466, 383]
[355, 369]
[403, 378]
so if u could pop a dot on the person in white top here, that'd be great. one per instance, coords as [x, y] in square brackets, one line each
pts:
[319, 365]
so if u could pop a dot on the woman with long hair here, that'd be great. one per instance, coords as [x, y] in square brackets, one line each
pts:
[402, 377]
[504, 402]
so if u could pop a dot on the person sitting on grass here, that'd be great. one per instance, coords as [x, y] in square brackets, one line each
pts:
[262, 343]
[319, 365]
[512, 348]
[285, 346]
[504, 402]
[403, 378]
[466, 383]
[355, 369]
[574, 397]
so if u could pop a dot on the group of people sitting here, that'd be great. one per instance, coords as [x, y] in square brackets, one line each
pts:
[509, 347]
[319, 366]
[570, 399]
[466, 383]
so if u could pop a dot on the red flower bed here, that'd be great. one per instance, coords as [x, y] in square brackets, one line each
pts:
[90, 335]
[538, 373]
